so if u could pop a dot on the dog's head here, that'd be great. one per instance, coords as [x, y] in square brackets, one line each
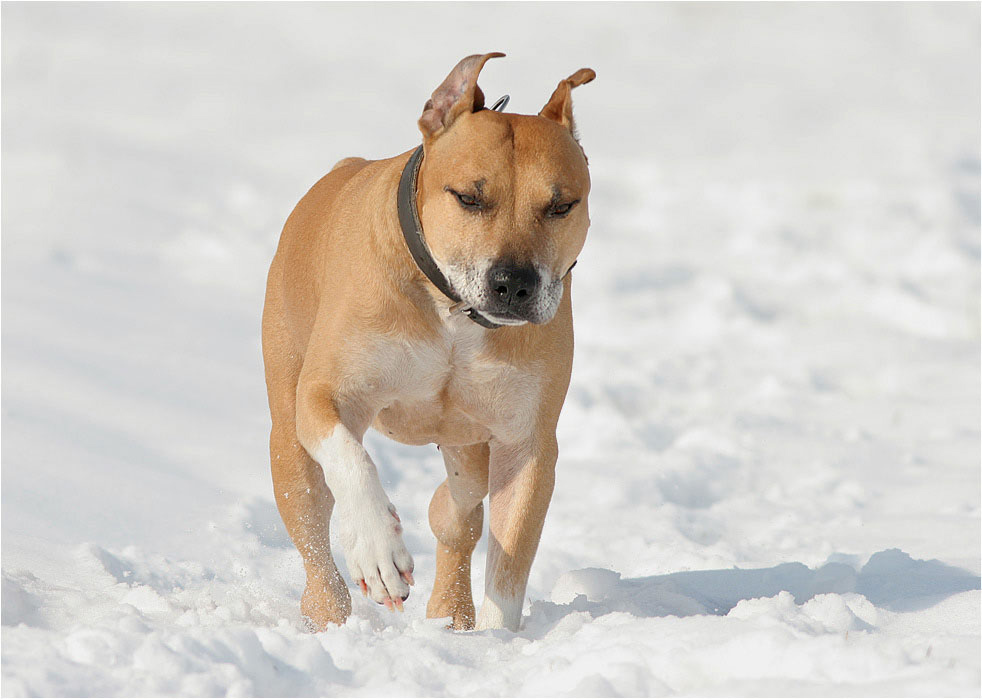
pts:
[503, 197]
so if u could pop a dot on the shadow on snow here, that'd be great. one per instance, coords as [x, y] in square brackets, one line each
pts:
[891, 580]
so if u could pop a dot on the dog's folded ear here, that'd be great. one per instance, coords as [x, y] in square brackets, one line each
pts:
[457, 94]
[559, 108]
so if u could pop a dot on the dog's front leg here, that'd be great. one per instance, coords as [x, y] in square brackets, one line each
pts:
[365, 521]
[457, 517]
[521, 480]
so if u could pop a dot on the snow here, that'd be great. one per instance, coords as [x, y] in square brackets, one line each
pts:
[769, 478]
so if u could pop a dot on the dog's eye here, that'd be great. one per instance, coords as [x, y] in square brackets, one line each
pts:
[467, 201]
[560, 210]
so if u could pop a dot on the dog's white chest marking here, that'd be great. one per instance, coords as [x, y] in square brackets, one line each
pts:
[450, 389]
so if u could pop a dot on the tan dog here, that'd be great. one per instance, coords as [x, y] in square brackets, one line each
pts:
[473, 355]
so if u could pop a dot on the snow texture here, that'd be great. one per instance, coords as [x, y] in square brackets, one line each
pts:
[769, 473]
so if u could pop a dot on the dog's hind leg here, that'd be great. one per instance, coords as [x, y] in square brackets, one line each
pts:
[301, 494]
[305, 504]
[456, 517]
[345, 162]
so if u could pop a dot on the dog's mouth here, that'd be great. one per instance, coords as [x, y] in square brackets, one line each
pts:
[509, 319]
[496, 318]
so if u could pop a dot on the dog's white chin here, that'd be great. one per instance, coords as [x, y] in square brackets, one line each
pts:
[498, 320]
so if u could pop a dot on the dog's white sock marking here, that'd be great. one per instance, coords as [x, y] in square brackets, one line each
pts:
[499, 611]
[364, 519]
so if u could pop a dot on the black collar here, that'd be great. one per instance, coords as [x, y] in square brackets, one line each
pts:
[412, 231]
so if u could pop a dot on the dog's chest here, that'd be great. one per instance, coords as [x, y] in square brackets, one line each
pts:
[452, 390]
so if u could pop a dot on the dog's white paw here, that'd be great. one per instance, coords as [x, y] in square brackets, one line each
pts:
[374, 551]
[365, 521]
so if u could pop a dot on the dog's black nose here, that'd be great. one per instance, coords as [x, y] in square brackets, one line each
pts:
[513, 286]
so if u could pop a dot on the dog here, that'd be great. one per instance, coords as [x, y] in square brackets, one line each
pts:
[428, 296]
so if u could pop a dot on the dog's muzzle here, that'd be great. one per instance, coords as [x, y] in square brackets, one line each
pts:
[510, 294]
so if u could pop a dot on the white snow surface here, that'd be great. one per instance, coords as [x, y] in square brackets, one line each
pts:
[769, 478]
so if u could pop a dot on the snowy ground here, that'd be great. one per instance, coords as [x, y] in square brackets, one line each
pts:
[769, 479]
